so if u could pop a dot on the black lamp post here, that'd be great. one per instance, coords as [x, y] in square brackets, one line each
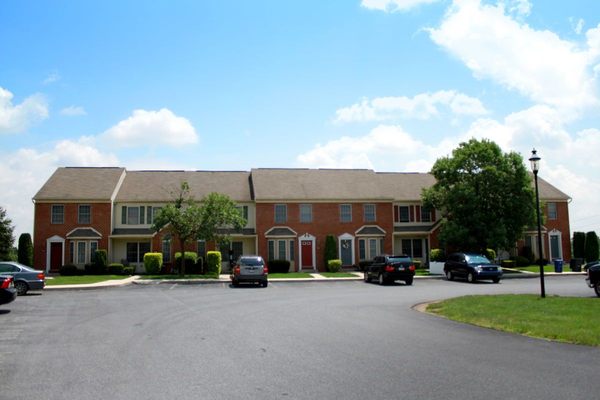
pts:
[535, 166]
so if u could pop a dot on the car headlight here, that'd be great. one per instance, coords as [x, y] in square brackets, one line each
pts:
[478, 268]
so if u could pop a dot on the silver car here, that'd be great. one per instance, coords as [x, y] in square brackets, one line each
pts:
[25, 278]
[250, 269]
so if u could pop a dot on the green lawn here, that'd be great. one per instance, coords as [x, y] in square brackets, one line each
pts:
[177, 276]
[337, 275]
[547, 268]
[422, 272]
[564, 319]
[291, 275]
[80, 280]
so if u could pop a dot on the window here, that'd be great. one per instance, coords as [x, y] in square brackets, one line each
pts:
[345, 212]
[93, 248]
[243, 211]
[552, 213]
[369, 212]
[72, 252]
[412, 247]
[136, 251]
[425, 214]
[306, 213]
[280, 213]
[133, 215]
[166, 248]
[57, 214]
[137, 215]
[369, 248]
[84, 215]
[404, 213]
[281, 249]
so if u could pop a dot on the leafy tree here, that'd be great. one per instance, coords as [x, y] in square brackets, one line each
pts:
[189, 220]
[485, 197]
[6, 236]
[330, 252]
[591, 247]
[25, 252]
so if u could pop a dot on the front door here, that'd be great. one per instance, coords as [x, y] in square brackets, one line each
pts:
[56, 255]
[346, 252]
[307, 254]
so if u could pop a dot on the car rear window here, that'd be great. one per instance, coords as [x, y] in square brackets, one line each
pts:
[251, 261]
[399, 259]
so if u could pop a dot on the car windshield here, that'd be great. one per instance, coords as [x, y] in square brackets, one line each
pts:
[477, 259]
[251, 261]
[399, 259]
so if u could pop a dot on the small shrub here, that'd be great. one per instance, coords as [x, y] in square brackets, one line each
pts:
[579, 245]
[116, 269]
[490, 254]
[199, 266]
[363, 264]
[279, 266]
[190, 262]
[418, 264]
[25, 252]
[592, 247]
[507, 264]
[89, 269]
[99, 260]
[527, 252]
[153, 262]
[70, 270]
[330, 252]
[128, 270]
[522, 261]
[213, 263]
[437, 255]
[334, 265]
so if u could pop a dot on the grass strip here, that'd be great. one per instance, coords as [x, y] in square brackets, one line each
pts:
[337, 275]
[82, 279]
[171, 277]
[564, 319]
[290, 275]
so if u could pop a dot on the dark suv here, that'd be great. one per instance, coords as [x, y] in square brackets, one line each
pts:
[250, 269]
[471, 266]
[386, 269]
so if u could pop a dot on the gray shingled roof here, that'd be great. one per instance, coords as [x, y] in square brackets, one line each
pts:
[404, 186]
[316, 184]
[162, 186]
[549, 192]
[74, 183]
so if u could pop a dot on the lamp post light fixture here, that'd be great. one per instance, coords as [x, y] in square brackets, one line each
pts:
[535, 167]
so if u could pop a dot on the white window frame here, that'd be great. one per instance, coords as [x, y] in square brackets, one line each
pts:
[369, 215]
[345, 213]
[52, 214]
[89, 214]
[280, 211]
[306, 214]
[552, 211]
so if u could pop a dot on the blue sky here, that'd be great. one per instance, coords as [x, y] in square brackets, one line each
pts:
[211, 85]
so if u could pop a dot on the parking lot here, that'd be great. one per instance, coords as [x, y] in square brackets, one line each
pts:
[299, 340]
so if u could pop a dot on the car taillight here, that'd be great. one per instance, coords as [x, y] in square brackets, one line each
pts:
[236, 271]
[265, 270]
[389, 268]
[41, 276]
[412, 267]
[6, 283]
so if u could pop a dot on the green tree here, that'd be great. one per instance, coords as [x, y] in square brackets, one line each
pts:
[6, 236]
[579, 245]
[25, 252]
[189, 220]
[485, 196]
[330, 252]
[592, 248]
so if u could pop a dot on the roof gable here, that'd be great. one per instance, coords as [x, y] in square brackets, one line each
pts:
[80, 183]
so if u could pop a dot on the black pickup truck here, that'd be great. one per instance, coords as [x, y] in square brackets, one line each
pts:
[593, 276]
[386, 269]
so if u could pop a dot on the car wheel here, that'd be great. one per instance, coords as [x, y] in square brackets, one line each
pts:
[409, 281]
[470, 277]
[367, 278]
[21, 288]
[449, 275]
[235, 283]
[496, 280]
[381, 280]
[597, 288]
[265, 284]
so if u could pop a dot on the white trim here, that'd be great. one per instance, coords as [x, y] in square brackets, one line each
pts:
[347, 236]
[87, 227]
[370, 234]
[311, 238]
[293, 235]
[54, 239]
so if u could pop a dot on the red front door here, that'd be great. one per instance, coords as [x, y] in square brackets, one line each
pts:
[307, 253]
[56, 252]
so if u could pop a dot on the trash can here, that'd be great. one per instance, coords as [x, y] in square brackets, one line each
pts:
[558, 265]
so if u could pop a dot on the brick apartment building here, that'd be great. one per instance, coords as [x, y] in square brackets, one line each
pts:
[289, 213]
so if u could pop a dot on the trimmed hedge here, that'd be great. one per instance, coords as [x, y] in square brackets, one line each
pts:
[153, 262]
[507, 263]
[418, 264]
[334, 265]
[279, 266]
[25, 251]
[70, 270]
[579, 245]
[213, 263]
[116, 269]
[521, 261]
[592, 247]
[330, 252]
[127, 270]
[437, 255]
[190, 262]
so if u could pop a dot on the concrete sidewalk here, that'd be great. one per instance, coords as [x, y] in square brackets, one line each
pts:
[224, 278]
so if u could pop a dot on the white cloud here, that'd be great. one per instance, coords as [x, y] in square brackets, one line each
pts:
[152, 128]
[73, 111]
[537, 64]
[53, 77]
[421, 106]
[521, 8]
[23, 173]
[577, 26]
[17, 118]
[394, 5]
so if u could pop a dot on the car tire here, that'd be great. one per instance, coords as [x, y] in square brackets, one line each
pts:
[235, 283]
[597, 288]
[496, 280]
[367, 278]
[21, 288]
[265, 284]
[381, 280]
[470, 277]
[409, 281]
[449, 275]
